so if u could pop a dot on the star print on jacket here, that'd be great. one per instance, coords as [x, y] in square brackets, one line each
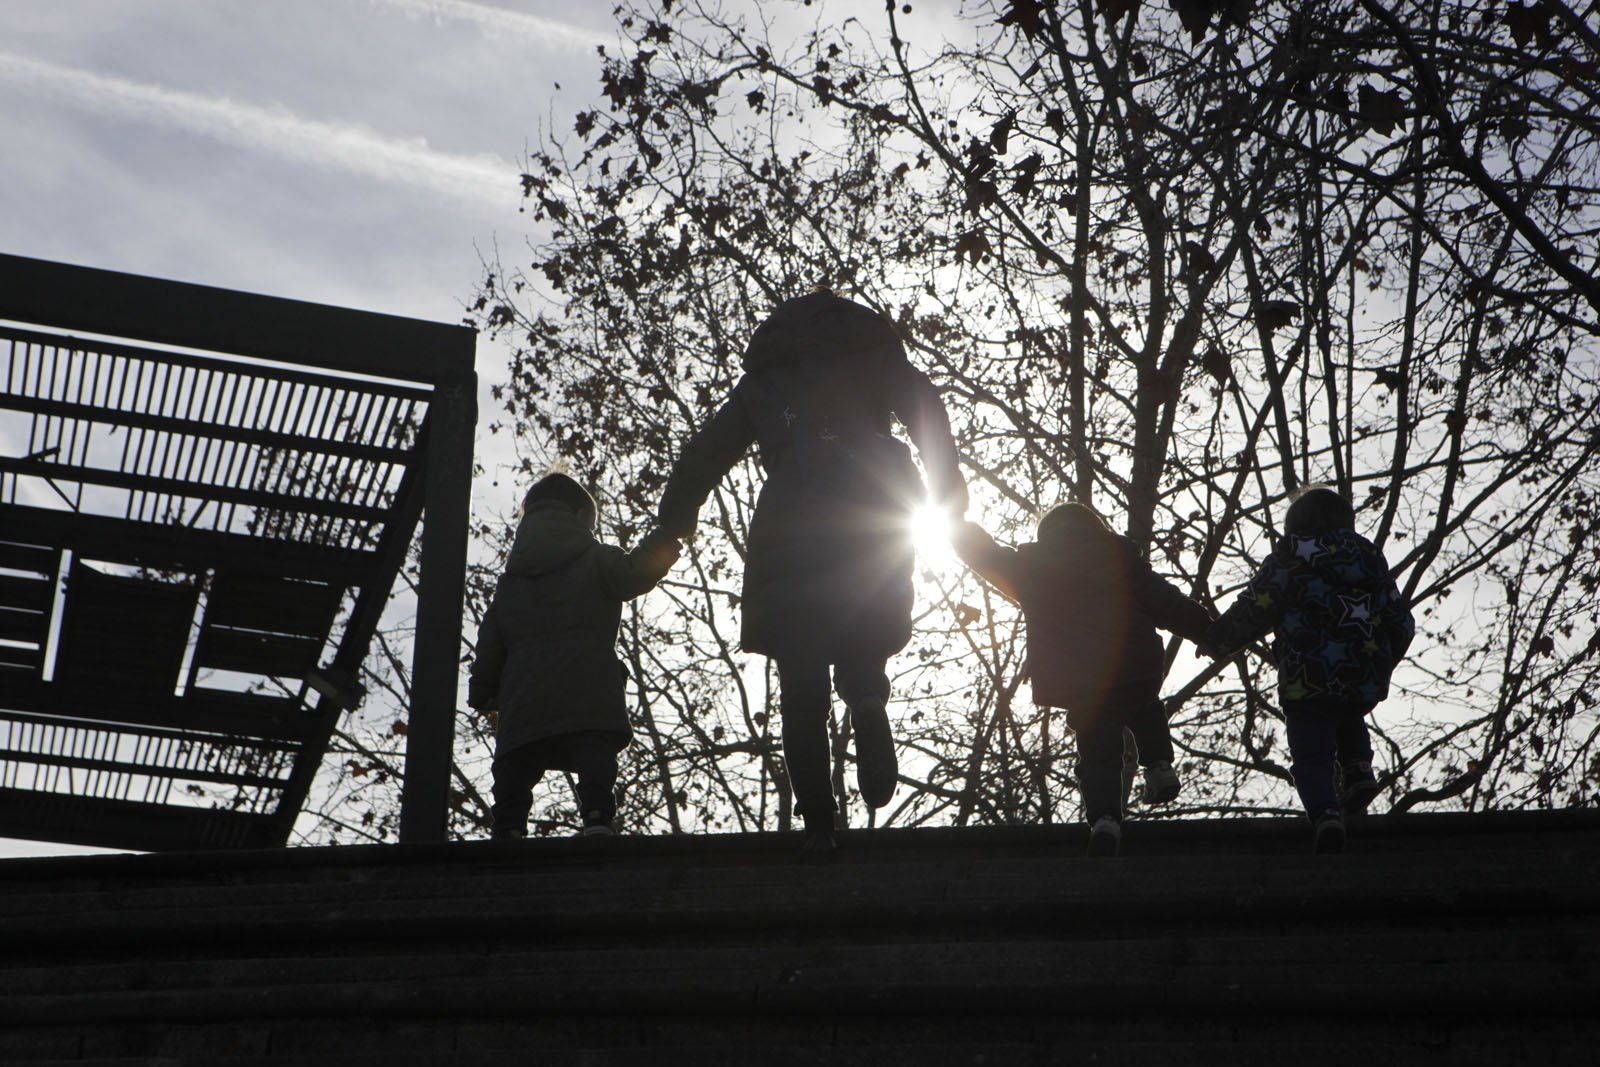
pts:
[1339, 623]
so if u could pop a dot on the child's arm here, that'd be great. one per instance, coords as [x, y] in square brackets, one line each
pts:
[631, 574]
[991, 560]
[1253, 615]
[483, 685]
[1166, 603]
[1398, 623]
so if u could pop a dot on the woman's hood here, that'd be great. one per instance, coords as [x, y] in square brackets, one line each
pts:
[818, 324]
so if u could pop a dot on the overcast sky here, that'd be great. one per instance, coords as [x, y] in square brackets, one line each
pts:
[344, 151]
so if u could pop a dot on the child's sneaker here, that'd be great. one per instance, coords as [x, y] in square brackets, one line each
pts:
[1358, 789]
[1130, 767]
[1161, 784]
[1105, 837]
[1328, 836]
[597, 826]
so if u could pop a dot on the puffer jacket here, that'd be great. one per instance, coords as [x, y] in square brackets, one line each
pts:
[1339, 624]
[1091, 605]
[546, 657]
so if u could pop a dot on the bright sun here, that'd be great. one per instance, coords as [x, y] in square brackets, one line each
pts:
[930, 534]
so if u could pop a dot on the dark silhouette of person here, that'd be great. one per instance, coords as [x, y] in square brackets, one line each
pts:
[828, 569]
[1092, 604]
[1340, 626]
[547, 661]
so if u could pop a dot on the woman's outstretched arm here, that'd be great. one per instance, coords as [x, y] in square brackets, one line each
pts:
[710, 453]
[916, 404]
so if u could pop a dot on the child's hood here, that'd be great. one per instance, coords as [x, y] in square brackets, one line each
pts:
[550, 536]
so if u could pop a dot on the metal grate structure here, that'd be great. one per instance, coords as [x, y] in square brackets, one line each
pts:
[204, 505]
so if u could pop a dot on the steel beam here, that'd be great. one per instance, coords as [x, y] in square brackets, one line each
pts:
[436, 653]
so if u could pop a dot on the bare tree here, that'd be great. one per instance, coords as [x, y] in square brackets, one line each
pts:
[1173, 259]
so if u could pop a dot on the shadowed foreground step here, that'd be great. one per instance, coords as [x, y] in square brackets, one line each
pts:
[1436, 938]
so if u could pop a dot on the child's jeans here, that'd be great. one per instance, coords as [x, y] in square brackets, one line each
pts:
[592, 755]
[1152, 733]
[1322, 735]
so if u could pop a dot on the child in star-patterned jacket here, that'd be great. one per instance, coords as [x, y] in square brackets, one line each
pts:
[1339, 628]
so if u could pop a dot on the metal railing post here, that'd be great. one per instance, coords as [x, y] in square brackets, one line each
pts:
[436, 651]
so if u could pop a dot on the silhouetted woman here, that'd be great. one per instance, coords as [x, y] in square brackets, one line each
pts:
[827, 578]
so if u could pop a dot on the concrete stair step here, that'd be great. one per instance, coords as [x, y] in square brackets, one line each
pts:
[1460, 939]
[1371, 973]
[977, 1055]
[979, 902]
[1000, 1038]
[1204, 839]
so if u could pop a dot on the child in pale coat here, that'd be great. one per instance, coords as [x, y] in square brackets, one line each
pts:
[546, 659]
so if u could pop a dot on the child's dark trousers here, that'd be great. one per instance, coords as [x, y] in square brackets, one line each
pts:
[1322, 735]
[592, 755]
[1098, 726]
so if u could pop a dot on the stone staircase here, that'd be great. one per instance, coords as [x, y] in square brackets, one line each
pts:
[1435, 939]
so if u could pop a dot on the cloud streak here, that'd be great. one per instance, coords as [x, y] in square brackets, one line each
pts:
[480, 180]
[534, 28]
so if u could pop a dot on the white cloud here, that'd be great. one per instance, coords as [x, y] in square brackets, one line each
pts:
[534, 28]
[479, 179]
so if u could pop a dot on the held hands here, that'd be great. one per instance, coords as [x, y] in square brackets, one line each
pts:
[1210, 646]
[661, 548]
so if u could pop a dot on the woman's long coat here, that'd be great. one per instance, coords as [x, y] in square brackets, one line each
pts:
[829, 563]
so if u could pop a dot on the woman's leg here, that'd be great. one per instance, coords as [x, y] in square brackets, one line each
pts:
[595, 761]
[864, 688]
[804, 701]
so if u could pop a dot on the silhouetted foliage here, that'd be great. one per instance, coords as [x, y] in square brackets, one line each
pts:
[1173, 259]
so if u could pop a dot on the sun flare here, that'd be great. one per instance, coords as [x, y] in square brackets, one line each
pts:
[930, 535]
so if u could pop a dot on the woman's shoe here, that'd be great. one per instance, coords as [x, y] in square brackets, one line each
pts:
[819, 848]
[877, 769]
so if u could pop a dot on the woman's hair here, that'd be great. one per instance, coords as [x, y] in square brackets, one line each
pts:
[1315, 509]
[562, 489]
[1070, 520]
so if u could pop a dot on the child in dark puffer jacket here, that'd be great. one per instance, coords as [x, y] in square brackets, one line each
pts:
[1091, 604]
[1340, 626]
